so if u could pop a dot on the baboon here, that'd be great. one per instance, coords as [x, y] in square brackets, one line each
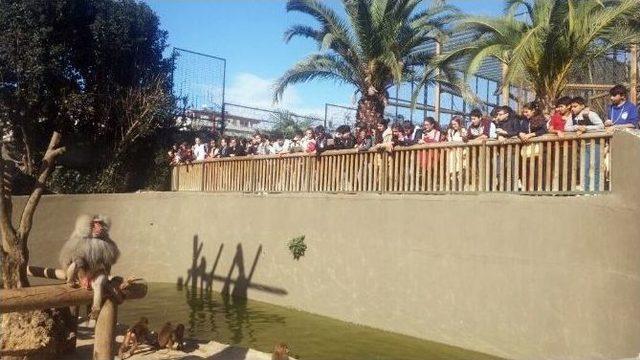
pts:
[280, 352]
[135, 336]
[88, 255]
[168, 336]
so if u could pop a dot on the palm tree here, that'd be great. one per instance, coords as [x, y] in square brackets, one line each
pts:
[287, 123]
[554, 37]
[379, 44]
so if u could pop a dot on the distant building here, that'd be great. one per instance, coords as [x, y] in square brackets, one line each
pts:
[210, 119]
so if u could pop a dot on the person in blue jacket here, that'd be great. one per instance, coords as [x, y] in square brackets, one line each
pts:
[621, 111]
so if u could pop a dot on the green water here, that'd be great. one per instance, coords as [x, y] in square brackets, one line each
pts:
[260, 326]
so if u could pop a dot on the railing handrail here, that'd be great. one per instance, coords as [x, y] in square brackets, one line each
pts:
[435, 145]
[571, 163]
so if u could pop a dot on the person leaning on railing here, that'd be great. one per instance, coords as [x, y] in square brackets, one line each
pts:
[584, 120]
[456, 132]
[430, 132]
[621, 111]
[344, 139]
[481, 127]
[507, 125]
[560, 116]
[364, 140]
[533, 122]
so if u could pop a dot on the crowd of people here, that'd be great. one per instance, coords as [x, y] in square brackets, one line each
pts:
[570, 115]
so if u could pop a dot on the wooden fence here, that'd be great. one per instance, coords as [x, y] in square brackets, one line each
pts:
[546, 164]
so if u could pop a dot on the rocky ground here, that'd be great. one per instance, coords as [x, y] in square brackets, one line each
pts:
[194, 349]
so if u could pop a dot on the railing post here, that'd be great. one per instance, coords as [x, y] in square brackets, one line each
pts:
[384, 173]
[254, 173]
[176, 169]
[482, 168]
[202, 177]
[307, 171]
[105, 331]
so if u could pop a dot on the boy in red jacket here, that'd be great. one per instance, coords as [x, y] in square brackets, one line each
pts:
[559, 117]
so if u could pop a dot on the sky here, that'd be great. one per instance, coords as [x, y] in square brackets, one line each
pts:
[249, 35]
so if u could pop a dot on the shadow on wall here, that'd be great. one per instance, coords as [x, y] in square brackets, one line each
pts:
[199, 277]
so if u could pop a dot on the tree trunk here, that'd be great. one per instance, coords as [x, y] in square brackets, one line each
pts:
[40, 334]
[371, 109]
[14, 269]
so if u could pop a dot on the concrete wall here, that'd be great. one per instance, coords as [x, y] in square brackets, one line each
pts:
[515, 276]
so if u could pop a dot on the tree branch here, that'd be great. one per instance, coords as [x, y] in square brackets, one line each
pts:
[6, 227]
[48, 163]
[27, 149]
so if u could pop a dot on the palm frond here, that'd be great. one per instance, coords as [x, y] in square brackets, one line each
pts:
[316, 66]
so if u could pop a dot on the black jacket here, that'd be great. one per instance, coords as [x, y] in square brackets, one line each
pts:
[342, 143]
[513, 126]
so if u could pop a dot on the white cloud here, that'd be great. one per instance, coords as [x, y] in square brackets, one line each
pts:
[252, 90]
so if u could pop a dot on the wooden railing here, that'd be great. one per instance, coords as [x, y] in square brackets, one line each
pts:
[546, 164]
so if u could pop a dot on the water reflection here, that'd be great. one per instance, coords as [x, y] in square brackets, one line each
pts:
[210, 315]
[225, 315]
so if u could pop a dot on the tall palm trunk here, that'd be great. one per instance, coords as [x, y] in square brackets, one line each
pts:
[371, 109]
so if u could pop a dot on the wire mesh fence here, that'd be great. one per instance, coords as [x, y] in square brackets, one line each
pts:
[198, 80]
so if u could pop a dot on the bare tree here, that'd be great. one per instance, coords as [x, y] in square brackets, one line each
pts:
[15, 257]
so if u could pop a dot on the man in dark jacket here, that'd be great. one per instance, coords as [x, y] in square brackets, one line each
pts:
[507, 124]
[344, 139]
[323, 140]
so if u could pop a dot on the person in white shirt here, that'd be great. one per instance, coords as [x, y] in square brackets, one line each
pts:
[264, 148]
[281, 146]
[582, 119]
[199, 150]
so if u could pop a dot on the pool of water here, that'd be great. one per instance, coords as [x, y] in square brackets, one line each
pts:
[254, 324]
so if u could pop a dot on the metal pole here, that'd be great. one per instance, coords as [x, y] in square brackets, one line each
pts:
[425, 101]
[438, 88]
[413, 107]
[325, 114]
[222, 108]
[633, 74]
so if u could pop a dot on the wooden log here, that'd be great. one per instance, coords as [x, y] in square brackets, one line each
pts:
[105, 331]
[52, 296]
